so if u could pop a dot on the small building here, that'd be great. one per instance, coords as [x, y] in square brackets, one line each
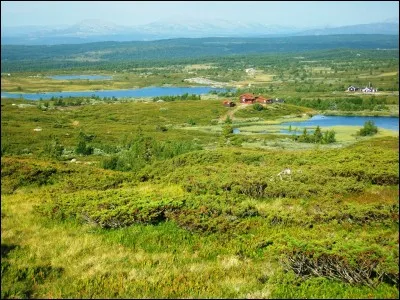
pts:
[352, 88]
[247, 98]
[261, 99]
[228, 103]
[369, 90]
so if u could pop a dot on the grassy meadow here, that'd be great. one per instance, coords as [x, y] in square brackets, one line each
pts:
[131, 198]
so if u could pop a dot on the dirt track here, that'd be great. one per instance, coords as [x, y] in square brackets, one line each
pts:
[231, 113]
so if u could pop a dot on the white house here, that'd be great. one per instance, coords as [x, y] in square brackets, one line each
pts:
[352, 88]
[369, 90]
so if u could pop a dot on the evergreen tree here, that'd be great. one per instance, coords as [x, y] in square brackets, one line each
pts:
[317, 135]
[304, 137]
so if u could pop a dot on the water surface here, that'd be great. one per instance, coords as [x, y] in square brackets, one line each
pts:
[132, 93]
[391, 123]
[80, 77]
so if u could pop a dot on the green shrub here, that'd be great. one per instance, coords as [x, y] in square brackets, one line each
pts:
[83, 149]
[317, 137]
[258, 107]
[368, 129]
[227, 130]
[142, 150]
[86, 137]
[110, 162]
[163, 128]
[54, 149]
[22, 282]
[4, 148]
[110, 208]
[191, 122]
[228, 120]
[329, 137]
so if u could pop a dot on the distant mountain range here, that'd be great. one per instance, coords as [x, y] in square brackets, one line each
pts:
[98, 31]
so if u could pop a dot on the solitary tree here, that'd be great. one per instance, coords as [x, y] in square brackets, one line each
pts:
[227, 131]
[317, 135]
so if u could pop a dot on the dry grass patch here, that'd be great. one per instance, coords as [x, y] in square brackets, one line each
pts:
[199, 67]
[228, 262]
[171, 190]
[260, 294]
[261, 77]
[388, 74]
[375, 194]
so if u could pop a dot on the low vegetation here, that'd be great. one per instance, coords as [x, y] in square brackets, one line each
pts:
[120, 198]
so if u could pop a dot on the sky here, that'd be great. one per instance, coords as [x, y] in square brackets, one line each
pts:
[130, 13]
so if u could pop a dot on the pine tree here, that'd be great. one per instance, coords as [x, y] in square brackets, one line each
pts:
[317, 135]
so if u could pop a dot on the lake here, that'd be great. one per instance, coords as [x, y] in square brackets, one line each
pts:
[143, 92]
[391, 123]
[80, 77]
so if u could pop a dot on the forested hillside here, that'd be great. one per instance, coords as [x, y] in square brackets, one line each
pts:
[96, 54]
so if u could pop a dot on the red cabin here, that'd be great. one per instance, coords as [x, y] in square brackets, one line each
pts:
[261, 99]
[247, 98]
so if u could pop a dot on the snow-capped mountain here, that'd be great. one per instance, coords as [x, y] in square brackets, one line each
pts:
[94, 30]
[93, 27]
[90, 27]
[374, 28]
[219, 27]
